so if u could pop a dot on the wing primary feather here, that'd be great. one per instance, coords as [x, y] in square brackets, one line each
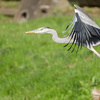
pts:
[96, 30]
[72, 33]
[87, 37]
[75, 43]
[72, 43]
[91, 29]
[78, 41]
[66, 45]
[73, 48]
[69, 31]
[68, 27]
[77, 49]
[81, 39]
[85, 26]
[69, 24]
[87, 40]
[88, 34]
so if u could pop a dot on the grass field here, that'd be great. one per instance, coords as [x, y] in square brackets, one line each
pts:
[33, 67]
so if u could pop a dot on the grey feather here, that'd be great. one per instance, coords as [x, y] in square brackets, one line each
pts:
[83, 33]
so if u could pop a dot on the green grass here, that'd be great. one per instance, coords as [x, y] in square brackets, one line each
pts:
[33, 67]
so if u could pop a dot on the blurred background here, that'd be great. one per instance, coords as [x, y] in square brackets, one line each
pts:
[33, 67]
[23, 10]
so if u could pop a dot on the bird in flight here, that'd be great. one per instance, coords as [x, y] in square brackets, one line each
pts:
[83, 31]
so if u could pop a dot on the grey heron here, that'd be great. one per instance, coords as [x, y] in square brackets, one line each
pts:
[83, 31]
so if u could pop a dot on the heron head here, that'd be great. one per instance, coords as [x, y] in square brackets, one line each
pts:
[40, 30]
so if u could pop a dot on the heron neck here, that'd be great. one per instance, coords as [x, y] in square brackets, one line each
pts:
[57, 39]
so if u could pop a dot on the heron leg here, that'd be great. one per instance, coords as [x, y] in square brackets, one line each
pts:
[93, 50]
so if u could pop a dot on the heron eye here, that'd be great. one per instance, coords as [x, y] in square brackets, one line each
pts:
[41, 28]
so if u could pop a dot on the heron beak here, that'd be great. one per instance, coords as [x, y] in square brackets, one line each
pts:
[32, 31]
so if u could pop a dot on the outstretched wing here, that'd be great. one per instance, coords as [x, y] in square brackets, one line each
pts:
[83, 31]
